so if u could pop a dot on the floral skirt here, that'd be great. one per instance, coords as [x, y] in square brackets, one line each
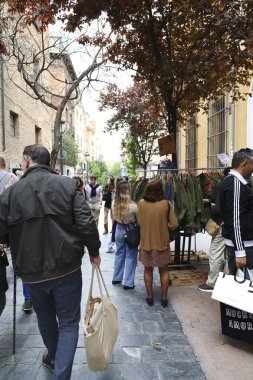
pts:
[155, 258]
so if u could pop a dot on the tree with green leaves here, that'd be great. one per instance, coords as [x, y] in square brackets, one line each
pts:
[99, 169]
[133, 162]
[113, 169]
[71, 147]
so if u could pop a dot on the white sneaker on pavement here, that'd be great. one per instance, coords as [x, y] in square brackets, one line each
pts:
[109, 250]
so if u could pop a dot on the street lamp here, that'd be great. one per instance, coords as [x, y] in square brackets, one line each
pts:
[61, 147]
[87, 168]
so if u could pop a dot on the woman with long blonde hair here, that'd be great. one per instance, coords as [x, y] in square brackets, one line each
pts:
[124, 212]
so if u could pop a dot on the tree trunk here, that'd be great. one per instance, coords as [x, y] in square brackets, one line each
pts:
[172, 126]
[144, 166]
[57, 136]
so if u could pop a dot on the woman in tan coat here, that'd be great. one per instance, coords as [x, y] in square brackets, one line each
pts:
[153, 217]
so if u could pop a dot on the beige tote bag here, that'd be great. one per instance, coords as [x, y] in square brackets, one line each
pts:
[212, 228]
[100, 325]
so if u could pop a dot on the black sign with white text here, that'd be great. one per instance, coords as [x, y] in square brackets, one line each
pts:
[236, 323]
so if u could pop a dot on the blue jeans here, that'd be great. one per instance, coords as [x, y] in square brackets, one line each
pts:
[125, 259]
[26, 292]
[57, 305]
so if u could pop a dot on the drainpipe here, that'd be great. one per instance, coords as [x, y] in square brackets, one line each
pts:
[232, 145]
[2, 102]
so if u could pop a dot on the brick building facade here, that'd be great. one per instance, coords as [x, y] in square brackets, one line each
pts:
[23, 120]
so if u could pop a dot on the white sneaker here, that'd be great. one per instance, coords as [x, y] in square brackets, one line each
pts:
[109, 250]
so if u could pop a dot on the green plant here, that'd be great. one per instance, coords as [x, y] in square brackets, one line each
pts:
[114, 169]
[99, 169]
[69, 144]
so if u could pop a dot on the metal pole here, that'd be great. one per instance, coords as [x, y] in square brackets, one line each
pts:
[87, 170]
[14, 320]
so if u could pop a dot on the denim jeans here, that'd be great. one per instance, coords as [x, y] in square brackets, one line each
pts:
[125, 259]
[26, 292]
[57, 305]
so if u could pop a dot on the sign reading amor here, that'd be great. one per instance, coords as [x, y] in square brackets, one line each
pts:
[236, 323]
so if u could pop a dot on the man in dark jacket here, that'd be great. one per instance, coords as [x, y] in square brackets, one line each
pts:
[47, 222]
[236, 201]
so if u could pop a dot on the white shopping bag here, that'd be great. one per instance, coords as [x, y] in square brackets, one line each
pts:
[234, 291]
[249, 273]
[101, 326]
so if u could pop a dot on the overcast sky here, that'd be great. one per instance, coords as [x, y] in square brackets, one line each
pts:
[110, 144]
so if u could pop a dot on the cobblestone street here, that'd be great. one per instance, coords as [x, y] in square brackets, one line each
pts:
[133, 355]
[188, 331]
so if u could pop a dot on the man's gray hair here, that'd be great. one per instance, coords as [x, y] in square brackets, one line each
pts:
[38, 154]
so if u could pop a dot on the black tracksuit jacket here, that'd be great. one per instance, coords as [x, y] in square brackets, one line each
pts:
[236, 204]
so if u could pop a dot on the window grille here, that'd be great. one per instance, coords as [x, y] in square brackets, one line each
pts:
[217, 131]
[191, 143]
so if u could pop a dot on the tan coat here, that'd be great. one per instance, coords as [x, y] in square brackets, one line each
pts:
[153, 221]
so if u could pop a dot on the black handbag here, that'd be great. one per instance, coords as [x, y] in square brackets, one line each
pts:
[3, 258]
[173, 235]
[132, 234]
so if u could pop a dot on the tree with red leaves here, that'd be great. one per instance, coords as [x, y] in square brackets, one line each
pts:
[138, 112]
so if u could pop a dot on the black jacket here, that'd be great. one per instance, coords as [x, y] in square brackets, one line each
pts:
[107, 197]
[236, 202]
[47, 222]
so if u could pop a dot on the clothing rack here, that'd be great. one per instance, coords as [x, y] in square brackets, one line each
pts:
[179, 257]
[185, 170]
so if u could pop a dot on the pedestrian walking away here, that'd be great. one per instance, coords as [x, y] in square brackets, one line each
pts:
[47, 222]
[6, 179]
[124, 213]
[236, 200]
[79, 184]
[108, 194]
[153, 217]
